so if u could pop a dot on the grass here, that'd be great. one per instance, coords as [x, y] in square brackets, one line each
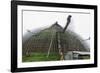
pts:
[36, 57]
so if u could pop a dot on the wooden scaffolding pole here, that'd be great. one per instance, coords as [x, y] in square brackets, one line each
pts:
[50, 45]
[59, 46]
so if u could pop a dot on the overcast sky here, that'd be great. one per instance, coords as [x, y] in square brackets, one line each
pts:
[80, 22]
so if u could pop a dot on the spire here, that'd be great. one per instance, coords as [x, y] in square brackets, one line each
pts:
[56, 26]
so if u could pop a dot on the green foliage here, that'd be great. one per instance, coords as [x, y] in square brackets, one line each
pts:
[34, 57]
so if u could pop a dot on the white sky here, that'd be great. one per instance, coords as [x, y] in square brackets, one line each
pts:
[80, 23]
